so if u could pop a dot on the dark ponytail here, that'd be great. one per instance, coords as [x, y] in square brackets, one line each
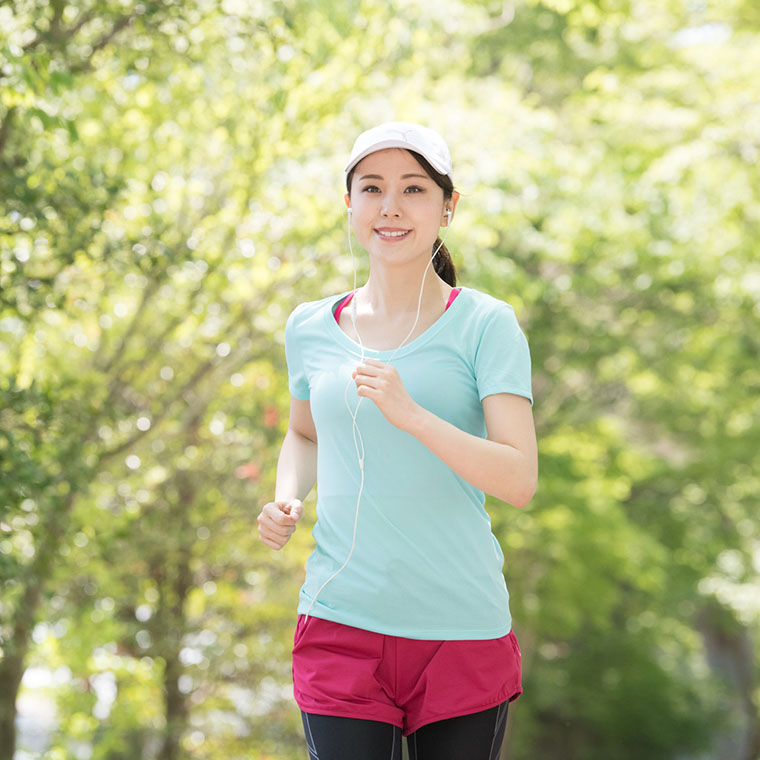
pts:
[442, 263]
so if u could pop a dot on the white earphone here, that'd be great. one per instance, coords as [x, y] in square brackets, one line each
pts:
[353, 413]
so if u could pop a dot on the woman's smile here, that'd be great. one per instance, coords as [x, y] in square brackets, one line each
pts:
[392, 234]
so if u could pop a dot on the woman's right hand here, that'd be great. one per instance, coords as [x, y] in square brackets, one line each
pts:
[277, 522]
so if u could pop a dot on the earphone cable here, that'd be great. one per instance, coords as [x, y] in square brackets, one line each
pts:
[354, 412]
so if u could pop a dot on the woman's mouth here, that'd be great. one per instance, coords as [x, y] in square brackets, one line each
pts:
[392, 235]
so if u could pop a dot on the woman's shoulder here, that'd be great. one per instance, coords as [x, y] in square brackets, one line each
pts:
[486, 303]
[490, 315]
[308, 310]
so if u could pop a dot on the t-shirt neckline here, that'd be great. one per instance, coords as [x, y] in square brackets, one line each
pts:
[436, 327]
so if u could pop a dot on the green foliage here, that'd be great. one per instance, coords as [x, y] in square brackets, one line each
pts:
[171, 184]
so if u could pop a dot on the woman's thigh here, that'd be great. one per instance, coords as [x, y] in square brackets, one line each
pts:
[476, 737]
[332, 738]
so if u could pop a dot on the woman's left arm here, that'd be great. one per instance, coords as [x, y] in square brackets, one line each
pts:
[504, 465]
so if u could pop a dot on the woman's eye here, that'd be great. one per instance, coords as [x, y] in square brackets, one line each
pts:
[376, 189]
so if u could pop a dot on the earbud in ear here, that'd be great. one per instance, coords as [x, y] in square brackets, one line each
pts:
[349, 210]
[449, 212]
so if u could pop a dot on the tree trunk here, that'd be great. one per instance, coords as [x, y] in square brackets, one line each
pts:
[17, 645]
[729, 651]
[11, 671]
[177, 581]
[176, 710]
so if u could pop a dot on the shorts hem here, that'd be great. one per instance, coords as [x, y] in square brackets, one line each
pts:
[347, 714]
[458, 713]
[338, 713]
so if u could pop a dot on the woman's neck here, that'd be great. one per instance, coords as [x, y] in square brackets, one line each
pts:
[389, 295]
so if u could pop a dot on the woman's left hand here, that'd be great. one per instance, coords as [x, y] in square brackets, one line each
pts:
[382, 384]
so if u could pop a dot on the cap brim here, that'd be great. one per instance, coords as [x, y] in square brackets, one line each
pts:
[383, 145]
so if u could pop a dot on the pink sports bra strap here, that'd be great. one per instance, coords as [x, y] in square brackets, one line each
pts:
[454, 293]
[343, 303]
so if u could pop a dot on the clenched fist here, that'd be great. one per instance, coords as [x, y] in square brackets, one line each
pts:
[277, 522]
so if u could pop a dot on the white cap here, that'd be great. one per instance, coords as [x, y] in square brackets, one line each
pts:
[403, 134]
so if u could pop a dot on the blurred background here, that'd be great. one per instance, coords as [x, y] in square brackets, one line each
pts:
[171, 180]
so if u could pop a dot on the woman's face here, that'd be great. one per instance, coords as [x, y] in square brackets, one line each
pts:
[396, 208]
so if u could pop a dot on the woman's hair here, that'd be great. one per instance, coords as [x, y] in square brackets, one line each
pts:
[442, 262]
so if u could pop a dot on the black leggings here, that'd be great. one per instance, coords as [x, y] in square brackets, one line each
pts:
[476, 737]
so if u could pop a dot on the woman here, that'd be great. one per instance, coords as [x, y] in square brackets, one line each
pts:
[404, 625]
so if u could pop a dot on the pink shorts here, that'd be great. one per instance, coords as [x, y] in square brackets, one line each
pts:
[352, 673]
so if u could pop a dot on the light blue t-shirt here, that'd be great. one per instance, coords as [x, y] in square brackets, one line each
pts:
[426, 564]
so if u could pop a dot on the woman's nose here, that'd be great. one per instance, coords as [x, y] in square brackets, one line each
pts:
[390, 205]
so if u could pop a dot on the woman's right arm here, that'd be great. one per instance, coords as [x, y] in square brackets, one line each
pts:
[296, 476]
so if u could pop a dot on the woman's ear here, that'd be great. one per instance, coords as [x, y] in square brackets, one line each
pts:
[448, 209]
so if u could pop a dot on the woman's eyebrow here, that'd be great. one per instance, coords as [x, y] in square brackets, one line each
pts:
[403, 176]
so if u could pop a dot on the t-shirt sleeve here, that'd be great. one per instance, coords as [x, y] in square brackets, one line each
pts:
[502, 361]
[297, 381]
